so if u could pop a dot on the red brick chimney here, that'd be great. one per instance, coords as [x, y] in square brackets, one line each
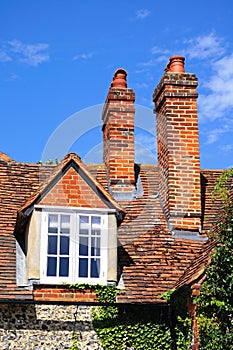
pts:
[175, 101]
[118, 137]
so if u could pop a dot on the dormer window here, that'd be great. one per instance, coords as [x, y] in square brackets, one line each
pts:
[67, 230]
[73, 246]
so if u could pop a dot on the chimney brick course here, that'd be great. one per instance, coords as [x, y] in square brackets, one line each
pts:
[178, 149]
[118, 137]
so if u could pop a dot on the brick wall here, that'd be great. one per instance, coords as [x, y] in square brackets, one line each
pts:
[60, 293]
[118, 135]
[178, 149]
[72, 190]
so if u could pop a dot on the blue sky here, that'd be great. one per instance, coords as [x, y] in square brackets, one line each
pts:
[57, 59]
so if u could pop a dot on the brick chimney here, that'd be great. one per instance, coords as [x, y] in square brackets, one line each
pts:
[118, 137]
[175, 101]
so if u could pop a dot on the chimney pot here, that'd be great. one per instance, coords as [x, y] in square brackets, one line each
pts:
[175, 64]
[119, 79]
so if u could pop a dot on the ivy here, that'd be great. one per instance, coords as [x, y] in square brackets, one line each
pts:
[74, 346]
[105, 294]
[220, 188]
[126, 327]
[215, 303]
[135, 326]
[139, 327]
[167, 295]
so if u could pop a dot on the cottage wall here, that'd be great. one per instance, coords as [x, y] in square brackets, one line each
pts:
[46, 327]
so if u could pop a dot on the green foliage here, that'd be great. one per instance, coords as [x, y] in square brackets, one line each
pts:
[74, 346]
[183, 332]
[49, 161]
[133, 327]
[140, 336]
[105, 294]
[212, 334]
[122, 328]
[220, 188]
[139, 327]
[167, 295]
[215, 304]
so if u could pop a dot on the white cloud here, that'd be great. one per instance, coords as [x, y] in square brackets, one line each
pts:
[205, 46]
[150, 63]
[219, 101]
[226, 148]
[4, 57]
[142, 13]
[224, 66]
[145, 147]
[161, 55]
[31, 54]
[153, 61]
[142, 85]
[143, 155]
[83, 56]
[14, 77]
[214, 135]
[159, 50]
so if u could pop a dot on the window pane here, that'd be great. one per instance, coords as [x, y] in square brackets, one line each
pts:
[65, 224]
[83, 231]
[83, 267]
[95, 231]
[52, 244]
[52, 267]
[64, 245]
[83, 246]
[95, 246]
[64, 267]
[53, 223]
[95, 225]
[95, 220]
[84, 219]
[95, 268]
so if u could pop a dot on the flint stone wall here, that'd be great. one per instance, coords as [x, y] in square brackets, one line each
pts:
[46, 327]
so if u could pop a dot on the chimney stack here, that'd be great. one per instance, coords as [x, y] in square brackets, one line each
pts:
[118, 137]
[175, 101]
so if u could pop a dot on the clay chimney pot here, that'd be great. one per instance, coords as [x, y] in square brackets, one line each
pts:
[119, 79]
[175, 64]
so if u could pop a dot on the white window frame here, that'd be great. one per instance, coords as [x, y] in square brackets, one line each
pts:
[74, 246]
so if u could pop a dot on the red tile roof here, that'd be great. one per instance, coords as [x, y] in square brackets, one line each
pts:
[151, 260]
[214, 215]
[18, 181]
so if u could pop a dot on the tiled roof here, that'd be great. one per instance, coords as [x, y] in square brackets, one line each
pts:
[155, 259]
[214, 216]
[197, 267]
[151, 260]
[210, 207]
[18, 181]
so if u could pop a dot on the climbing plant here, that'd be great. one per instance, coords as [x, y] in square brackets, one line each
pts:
[132, 327]
[137, 327]
[215, 304]
[141, 327]
[105, 294]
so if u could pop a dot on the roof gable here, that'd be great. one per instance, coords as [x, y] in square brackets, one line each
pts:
[72, 190]
[71, 184]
